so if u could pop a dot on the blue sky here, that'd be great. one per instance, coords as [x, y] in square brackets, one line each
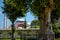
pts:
[29, 17]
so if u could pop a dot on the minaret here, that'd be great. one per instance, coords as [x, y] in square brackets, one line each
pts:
[5, 22]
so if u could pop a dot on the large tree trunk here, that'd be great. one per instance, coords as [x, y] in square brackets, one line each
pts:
[46, 32]
[13, 30]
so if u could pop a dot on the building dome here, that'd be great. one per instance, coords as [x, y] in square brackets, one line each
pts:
[20, 19]
[20, 23]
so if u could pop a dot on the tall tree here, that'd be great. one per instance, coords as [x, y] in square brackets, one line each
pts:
[43, 10]
[13, 9]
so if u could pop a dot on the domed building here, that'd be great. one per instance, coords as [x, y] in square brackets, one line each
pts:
[20, 23]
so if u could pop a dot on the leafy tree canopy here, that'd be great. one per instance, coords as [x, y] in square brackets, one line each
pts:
[14, 8]
[37, 7]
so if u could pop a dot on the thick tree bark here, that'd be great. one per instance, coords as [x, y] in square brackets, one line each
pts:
[46, 32]
[13, 30]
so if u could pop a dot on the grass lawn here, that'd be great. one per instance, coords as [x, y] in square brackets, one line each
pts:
[57, 38]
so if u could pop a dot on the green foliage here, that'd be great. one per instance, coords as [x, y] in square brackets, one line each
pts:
[35, 24]
[37, 27]
[55, 14]
[14, 9]
[38, 6]
[55, 27]
[56, 30]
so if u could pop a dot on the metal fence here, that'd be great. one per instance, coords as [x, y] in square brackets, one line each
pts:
[21, 34]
